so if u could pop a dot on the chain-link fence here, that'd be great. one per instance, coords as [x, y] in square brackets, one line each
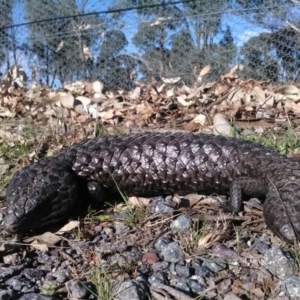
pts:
[121, 41]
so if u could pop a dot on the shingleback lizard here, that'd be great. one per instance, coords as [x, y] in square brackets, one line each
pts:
[146, 164]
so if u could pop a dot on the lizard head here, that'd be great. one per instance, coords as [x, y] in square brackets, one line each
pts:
[39, 195]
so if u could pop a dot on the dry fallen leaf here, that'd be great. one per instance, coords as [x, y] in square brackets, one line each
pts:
[170, 80]
[200, 119]
[135, 94]
[39, 246]
[68, 227]
[290, 91]
[138, 201]
[41, 242]
[181, 100]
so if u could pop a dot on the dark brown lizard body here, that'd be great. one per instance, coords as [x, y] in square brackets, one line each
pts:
[157, 163]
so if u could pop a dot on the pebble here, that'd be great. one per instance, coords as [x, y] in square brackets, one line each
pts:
[172, 252]
[181, 224]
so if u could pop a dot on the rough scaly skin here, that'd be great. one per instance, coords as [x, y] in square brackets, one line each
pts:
[148, 164]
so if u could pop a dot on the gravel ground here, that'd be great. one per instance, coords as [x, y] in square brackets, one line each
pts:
[173, 248]
[180, 248]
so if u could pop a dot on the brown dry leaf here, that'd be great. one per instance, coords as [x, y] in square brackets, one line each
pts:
[207, 239]
[99, 97]
[3, 167]
[290, 91]
[224, 286]
[4, 112]
[184, 90]
[46, 238]
[138, 201]
[236, 67]
[66, 100]
[200, 119]
[258, 293]
[170, 93]
[143, 111]
[221, 88]
[135, 94]
[39, 246]
[192, 126]
[84, 100]
[61, 112]
[259, 94]
[159, 88]
[170, 80]
[193, 199]
[110, 95]
[80, 109]
[232, 71]
[6, 135]
[50, 112]
[76, 87]
[97, 86]
[82, 118]
[269, 102]
[236, 97]
[291, 105]
[68, 227]
[181, 100]
[107, 115]
[205, 70]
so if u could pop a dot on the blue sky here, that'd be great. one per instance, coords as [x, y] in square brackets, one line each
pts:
[241, 30]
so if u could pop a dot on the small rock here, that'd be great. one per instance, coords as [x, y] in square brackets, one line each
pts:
[182, 223]
[121, 228]
[215, 265]
[70, 251]
[33, 296]
[150, 258]
[172, 252]
[200, 280]
[77, 289]
[261, 247]
[231, 296]
[32, 273]
[131, 290]
[6, 294]
[158, 277]
[182, 271]
[160, 266]
[120, 246]
[15, 284]
[7, 272]
[195, 286]
[290, 285]
[158, 206]
[108, 231]
[120, 260]
[224, 252]
[45, 258]
[162, 243]
[181, 285]
[61, 275]
[201, 270]
[11, 259]
[133, 254]
[279, 263]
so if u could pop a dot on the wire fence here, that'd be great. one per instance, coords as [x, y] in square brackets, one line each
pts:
[122, 41]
